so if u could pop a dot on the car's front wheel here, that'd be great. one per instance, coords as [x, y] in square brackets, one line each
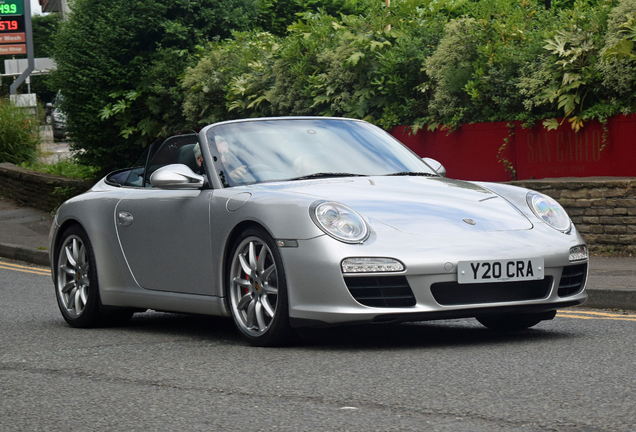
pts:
[257, 290]
[514, 322]
[76, 285]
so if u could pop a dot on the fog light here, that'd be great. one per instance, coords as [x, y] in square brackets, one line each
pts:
[371, 265]
[578, 253]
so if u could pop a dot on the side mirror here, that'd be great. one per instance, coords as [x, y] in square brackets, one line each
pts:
[437, 167]
[176, 176]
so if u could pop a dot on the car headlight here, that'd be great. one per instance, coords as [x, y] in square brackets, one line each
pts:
[339, 221]
[550, 211]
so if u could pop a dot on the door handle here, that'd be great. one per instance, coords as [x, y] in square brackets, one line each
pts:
[124, 218]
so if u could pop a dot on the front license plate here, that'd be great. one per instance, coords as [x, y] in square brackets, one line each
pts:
[499, 271]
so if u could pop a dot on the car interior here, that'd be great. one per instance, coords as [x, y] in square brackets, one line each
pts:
[178, 149]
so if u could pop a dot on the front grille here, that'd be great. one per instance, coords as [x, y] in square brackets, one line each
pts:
[453, 293]
[572, 280]
[381, 291]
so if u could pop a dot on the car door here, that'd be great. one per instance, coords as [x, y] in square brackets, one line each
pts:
[165, 237]
[165, 234]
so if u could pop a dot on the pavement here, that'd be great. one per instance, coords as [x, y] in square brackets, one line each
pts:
[24, 235]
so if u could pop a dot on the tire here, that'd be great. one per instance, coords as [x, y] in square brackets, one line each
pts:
[257, 290]
[514, 322]
[76, 284]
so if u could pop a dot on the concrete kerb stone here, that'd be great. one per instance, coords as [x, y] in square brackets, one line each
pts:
[21, 253]
[610, 299]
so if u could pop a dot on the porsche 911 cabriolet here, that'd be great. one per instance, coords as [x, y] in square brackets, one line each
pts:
[286, 223]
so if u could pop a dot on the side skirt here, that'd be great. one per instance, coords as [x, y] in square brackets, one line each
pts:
[166, 301]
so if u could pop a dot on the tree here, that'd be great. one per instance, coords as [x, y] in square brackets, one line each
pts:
[119, 65]
[45, 27]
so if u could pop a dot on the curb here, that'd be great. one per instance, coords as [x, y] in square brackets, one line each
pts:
[21, 253]
[610, 299]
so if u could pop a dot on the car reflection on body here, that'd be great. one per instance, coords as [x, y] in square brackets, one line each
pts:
[310, 222]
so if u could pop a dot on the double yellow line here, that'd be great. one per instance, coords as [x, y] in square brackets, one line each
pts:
[25, 269]
[579, 314]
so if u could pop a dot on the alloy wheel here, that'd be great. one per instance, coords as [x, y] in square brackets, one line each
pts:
[254, 286]
[73, 281]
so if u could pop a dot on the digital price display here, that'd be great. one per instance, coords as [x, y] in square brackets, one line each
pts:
[11, 24]
[11, 7]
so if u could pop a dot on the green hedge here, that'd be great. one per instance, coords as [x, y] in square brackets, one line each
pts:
[428, 63]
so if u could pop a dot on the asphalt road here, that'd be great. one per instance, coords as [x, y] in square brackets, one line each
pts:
[178, 372]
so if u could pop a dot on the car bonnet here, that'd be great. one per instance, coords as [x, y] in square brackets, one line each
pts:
[416, 205]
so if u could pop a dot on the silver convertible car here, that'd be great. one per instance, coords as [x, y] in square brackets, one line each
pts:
[285, 223]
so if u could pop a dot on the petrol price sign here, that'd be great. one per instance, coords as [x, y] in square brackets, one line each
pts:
[10, 24]
[11, 7]
[12, 27]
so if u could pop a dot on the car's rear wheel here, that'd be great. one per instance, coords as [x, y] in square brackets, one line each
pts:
[514, 322]
[257, 290]
[76, 285]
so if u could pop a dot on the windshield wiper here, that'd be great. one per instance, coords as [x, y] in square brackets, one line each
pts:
[412, 173]
[327, 175]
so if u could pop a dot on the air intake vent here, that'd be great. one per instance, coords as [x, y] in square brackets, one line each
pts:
[453, 293]
[381, 291]
[572, 280]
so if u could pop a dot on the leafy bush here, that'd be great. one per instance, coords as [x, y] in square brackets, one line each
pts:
[357, 66]
[281, 13]
[416, 62]
[576, 83]
[350, 65]
[19, 134]
[228, 78]
[119, 66]
[478, 67]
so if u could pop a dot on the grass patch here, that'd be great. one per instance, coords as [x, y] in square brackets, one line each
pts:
[626, 251]
[64, 167]
[19, 134]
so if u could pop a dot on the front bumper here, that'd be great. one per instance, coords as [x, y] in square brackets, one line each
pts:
[318, 294]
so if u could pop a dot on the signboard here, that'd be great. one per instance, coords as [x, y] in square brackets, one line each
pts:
[12, 38]
[13, 49]
[11, 7]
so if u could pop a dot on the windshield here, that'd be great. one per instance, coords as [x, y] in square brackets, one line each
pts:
[293, 149]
